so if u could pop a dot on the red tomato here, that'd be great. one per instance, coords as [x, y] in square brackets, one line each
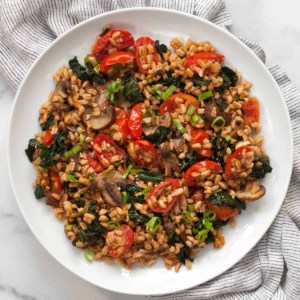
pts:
[189, 180]
[143, 153]
[198, 135]
[106, 153]
[122, 122]
[237, 154]
[96, 165]
[48, 137]
[170, 104]
[142, 53]
[158, 189]
[116, 58]
[222, 212]
[135, 121]
[127, 236]
[251, 111]
[192, 61]
[103, 44]
[55, 185]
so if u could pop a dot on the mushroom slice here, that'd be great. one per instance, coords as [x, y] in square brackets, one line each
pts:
[147, 130]
[252, 192]
[212, 111]
[108, 185]
[62, 86]
[170, 160]
[178, 144]
[166, 120]
[106, 118]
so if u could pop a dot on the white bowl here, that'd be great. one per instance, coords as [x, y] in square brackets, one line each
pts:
[251, 224]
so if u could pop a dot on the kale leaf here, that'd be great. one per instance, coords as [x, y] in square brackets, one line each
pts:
[159, 135]
[170, 80]
[50, 121]
[184, 253]
[131, 190]
[174, 238]
[30, 149]
[161, 48]
[136, 217]
[219, 148]
[188, 162]
[259, 172]
[131, 90]
[150, 176]
[200, 81]
[221, 198]
[222, 104]
[39, 191]
[229, 78]
[106, 29]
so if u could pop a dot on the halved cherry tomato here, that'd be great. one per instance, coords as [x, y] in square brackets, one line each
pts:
[135, 121]
[222, 212]
[96, 165]
[237, 154]
[55, 183]
[198, 135]
[192, 60]
[188, 177]
[170, 104]
[127, 237]
[251, 111]
[122, 122]
[116, 58]
[48, 137]
[158, 190]
[144, 52]
[105, 148]
[103, 44]
[143, 153]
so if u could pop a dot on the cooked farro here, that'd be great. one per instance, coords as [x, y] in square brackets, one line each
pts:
[146, 152]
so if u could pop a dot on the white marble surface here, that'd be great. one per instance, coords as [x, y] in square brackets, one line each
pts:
[27, 271]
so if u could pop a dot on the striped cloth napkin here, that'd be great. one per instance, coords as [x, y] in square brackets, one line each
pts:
[272, 269]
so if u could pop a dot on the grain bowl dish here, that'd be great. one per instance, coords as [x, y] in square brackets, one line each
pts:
[147, 151]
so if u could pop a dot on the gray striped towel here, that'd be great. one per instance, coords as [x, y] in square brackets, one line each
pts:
[272, 269]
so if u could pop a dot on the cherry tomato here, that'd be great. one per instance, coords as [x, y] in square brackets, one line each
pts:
[188, 177]
[170, 104]
[135, 121]
[158, 190]
[127, 236]
[222, 212]
[103, 44]
[251, 110]
[237, 154]
[48, 137]
[116, 58]
[122, 122]
[55, 183]
[192, 60]
[198, 135]
[106, 149]
[142, 52]
[96, 165]
[143, 153]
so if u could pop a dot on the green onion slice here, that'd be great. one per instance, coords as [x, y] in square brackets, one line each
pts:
[68, 227]
[124, 197]
[195, 119]
[113, 224]
[209, 215]
[179, 126]
[218, 123]
[187, 216]
[127, 171]
[73, 151]
[153, 224]
[72, 177]
[146, 191]
[170, 90]
[227, 138]
[158, 93]
[89, 255]
[81, 138]
[202, 235]
[191, 110]
[205, 95]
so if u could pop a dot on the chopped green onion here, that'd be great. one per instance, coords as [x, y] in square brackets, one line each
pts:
[209, 215]
[158, 93]
[149, 114]
[145, 192]
[153, 224]
[40, 169]
[92, 176]
[117, 164]
[73, 151]
[191, 207]
[86, 59]
[195, 119]
[127, 171]
[89, 255]
[218, 123]
[72, 178]
[68, 227]
[113, 224]
[81, 138]
[170, 90]
[179, 126]
[96, 69]
[202, 235]
[124, 197]
[187, 216]
[227, 138]
[191, 110]
[113, 88]
[208, 225]
[205, 95]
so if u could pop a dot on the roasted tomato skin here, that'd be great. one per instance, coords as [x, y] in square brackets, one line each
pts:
[48, 137]
[251, 112]
[192, 60]
[116, 58]
[55, 183]
[135, 122]
[122, 122]
[223, 213]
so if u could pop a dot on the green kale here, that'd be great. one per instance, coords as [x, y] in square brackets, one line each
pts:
[184, 251]
[131, 90]
[170, 80]
[218, 223]
[105, 30]
[200, 81]
[79, 202]
[260, 171]
[150, 176]
[131, 191]
[221, 198]
[136, 217]
[39, 191]
[222, 104]
[174, 238]
[30, 149]
[93, 207]
[219, 148]
[229, 79]
[188, 162]
[161, 48]
[50, 121]
[159, 135]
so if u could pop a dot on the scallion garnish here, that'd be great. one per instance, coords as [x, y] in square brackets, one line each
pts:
[170, 90]
[81, 138]
[113, 224]
[202, 235]
[195, 119]
[205, 95]
[112, 89]
[145, 192]
[89, 255]
[157, 92]
[179, 126]
[124, 197]
[127, 171]
[227, 138]
[218, 123]
[191, 110]
[72, 177]
[73, 151]
[153, 224]
[187, 216]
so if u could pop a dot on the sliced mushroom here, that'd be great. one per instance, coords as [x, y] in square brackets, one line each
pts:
[147, 130]
[121, 101]
[166, 120]
[100, 96]
[106, 118]
[169, 158]
[252, 192]
[169, 227]
[51, 201]
[178, 144]
[108, 185]
[212, 111]
[62, 86]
